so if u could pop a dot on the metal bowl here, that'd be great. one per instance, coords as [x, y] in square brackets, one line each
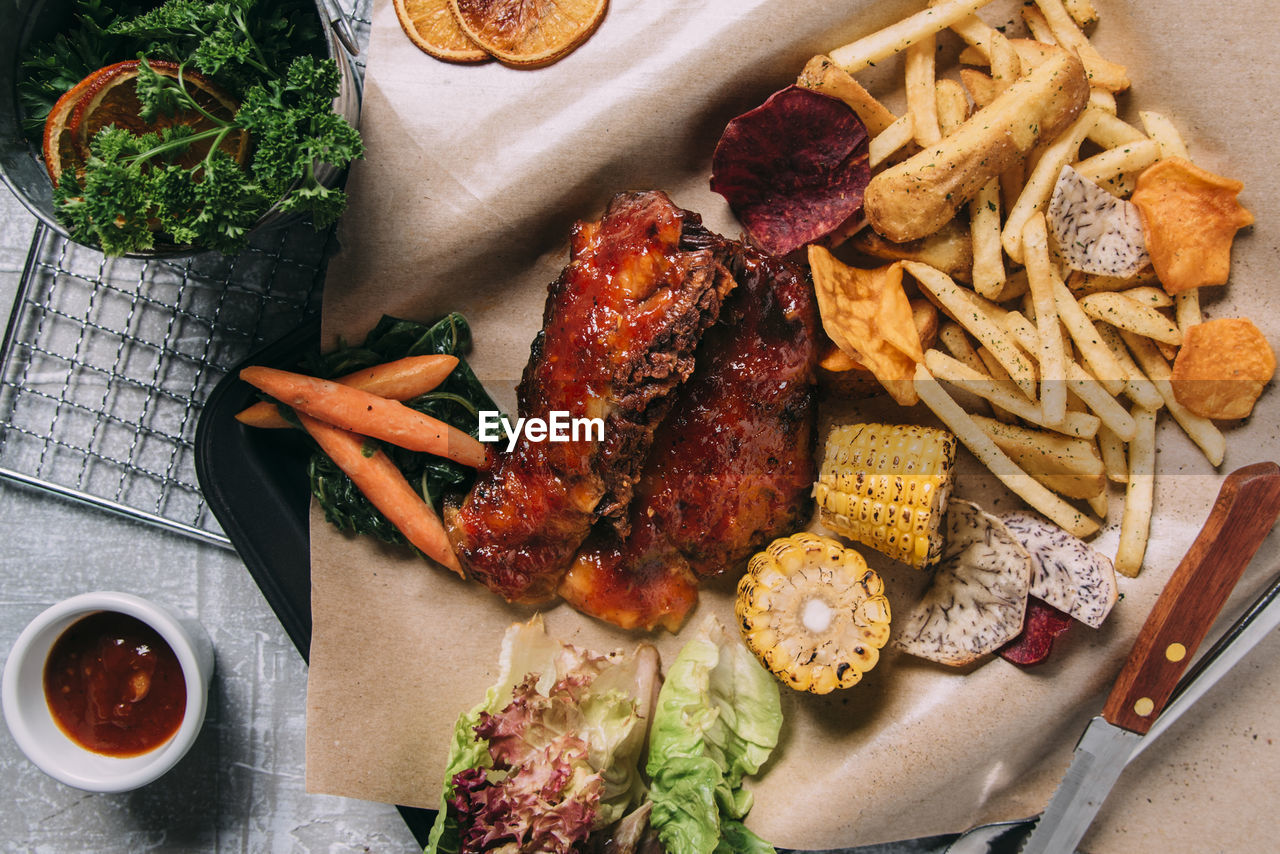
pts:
[21, 166]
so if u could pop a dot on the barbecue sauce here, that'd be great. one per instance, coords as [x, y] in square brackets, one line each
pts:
[114, 685]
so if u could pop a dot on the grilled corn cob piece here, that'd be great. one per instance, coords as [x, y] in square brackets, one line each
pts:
[813, 613]
[886, 486]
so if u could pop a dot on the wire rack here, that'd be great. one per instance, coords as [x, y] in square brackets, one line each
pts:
[106, 363]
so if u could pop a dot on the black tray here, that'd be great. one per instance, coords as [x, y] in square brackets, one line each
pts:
[255, 483]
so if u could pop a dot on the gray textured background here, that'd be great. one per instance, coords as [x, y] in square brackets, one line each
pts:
[241, 786]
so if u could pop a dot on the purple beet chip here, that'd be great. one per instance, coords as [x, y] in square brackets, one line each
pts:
[1042, 625]
[793, 169]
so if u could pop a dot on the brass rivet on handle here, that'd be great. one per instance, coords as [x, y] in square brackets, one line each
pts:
[1175, 652]
[1144, 707]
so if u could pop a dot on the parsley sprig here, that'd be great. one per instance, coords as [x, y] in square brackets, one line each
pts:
[134, 192]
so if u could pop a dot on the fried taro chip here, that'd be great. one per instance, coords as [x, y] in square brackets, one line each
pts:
[793, 169]
[1189, 219]
[1222, 367]
[868, 316]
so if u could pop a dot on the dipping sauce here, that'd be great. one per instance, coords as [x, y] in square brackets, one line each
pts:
[114, 685]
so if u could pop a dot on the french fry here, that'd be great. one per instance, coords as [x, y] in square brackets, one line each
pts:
[1079, 424]
[1113, 162]
[1042, 277]
[1125, 314]
[997, 461]
[823, 75]
[952, 336]
[1150, 296]
[1136, 386]
[972, 55]
[1036, 23]
[952, 105]
[988, 255]
[890, 140]
[1110, 131]
[998, 374]
[1035, 193]
[981, 87]
[1100, 504]
[922, 100]
[1186, 309]
[378, 479]
[895, 38]
[1102, 364]
[1164, 133]
[1023, 331]
[1135, 524]
[1114, 458]
[1102, 73]
[1015, 285]
[967, 309]
[1202, 431]
[1000, 55]
[1082, 12]
[1089, 390]
[1103, 101]
[1070, 467]
[1081, 284]
[367, 414]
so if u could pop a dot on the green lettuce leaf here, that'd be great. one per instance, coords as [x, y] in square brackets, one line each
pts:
[717, 720]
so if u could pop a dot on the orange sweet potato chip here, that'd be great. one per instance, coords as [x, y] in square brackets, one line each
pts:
[1222, 368]
[1189, 218]
[867, 314]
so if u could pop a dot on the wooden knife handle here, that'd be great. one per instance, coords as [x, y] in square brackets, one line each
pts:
[1244, 513]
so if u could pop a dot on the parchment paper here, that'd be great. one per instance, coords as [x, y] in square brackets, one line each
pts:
[472, 179]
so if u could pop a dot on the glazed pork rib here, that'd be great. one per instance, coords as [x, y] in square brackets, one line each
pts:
[619, 331]
[732, 466]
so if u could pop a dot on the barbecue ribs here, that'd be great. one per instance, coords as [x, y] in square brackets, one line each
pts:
[619, 331]
[732, 465]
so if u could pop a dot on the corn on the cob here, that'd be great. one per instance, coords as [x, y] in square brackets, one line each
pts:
[813, 613]
[886, 486]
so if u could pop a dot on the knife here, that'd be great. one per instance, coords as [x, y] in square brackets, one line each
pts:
[1245, 511]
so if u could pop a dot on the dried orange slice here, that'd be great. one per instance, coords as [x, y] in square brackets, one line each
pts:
[108, 97]
[431, 25]
[529, 32]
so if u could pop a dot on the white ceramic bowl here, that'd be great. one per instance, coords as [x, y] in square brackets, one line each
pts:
[27, 712]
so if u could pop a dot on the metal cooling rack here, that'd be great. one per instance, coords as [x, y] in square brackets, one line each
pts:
[106, 363]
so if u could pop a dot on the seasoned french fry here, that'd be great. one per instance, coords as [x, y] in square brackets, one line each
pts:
[1186, 308]
[1100, 504]
[984, 228]
[1111, 413]
[1103, 101]
[895, 38]
[1149, 296]
[1165, 135]
[1042, 276]
[1102, 364]
[1201, 430]
[953, 337]
[1114, 459]
[1080, 424]
[823, 75]
[999, 375]
[1123, 313]
[952, 105]
[966, 308]
[1102, 73]
[1036, 23]
[1000, 55]
[922, 100]
[1023, 331]
[997, 461]
[972, 55]
[1052, 453]
[1090, 283]
[1015, 285]
[891, 139]
[1114, 162]
[1135, 524]
[1035, 194]
[1082, 12]
[981, 87]
[1109, 131]
[1136, 387]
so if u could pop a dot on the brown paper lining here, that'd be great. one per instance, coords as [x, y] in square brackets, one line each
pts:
[472, 178]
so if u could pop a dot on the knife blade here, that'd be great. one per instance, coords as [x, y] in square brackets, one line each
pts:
[1245, 511]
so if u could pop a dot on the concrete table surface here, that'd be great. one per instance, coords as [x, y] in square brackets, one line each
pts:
[241, 786]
